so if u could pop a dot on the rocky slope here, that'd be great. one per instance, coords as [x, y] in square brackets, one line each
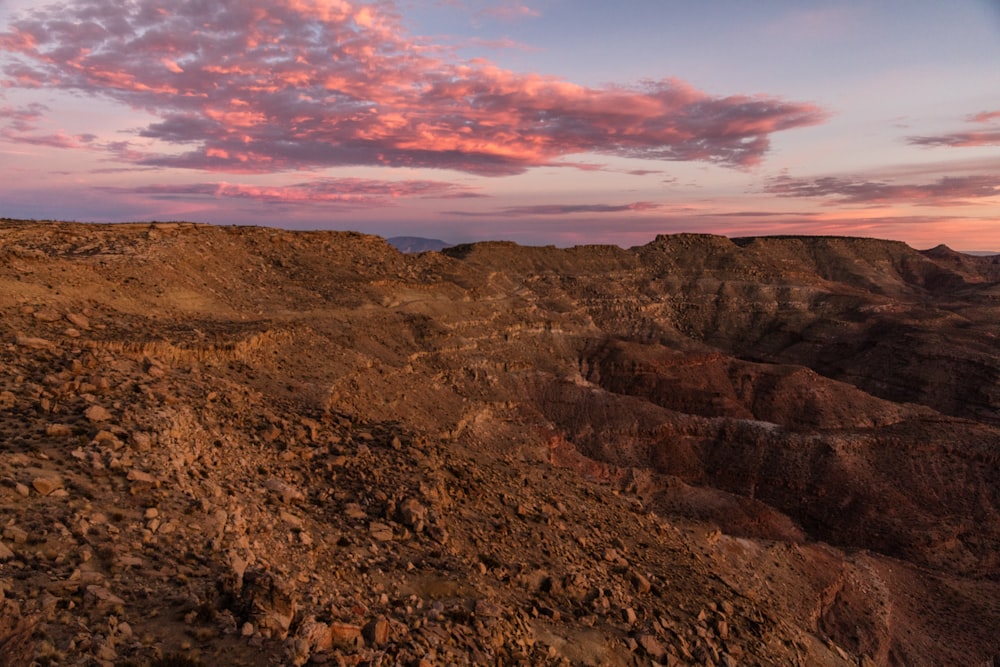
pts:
[250, 446]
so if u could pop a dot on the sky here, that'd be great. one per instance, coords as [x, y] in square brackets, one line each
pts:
[558, 122]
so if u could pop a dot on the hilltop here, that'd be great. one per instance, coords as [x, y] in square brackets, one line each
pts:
[253, 446]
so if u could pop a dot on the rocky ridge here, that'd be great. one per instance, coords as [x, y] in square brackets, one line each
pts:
[320, 450]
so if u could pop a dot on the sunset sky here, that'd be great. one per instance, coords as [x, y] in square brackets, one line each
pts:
[543, 122]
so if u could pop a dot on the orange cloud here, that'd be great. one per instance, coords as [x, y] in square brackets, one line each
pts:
[324, 83]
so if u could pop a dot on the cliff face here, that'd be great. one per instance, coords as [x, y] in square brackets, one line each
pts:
[252, 443]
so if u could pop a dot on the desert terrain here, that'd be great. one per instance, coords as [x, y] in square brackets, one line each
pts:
[249, 446]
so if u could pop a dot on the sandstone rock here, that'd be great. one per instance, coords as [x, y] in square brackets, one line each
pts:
[135, 475]
[438, 533]
[376, 632]
[344, 634]
[286, 491]
[380, 531]
[355, 511]
[291, 519]
[237, 568]
[640, 582]
[487, 609]
[7, 400]
[17, 646]
[413, 514]
[141, 441]
[102, 594]
[46, 485]
[58, 430]
[267, 603]
[5, 552]
[653, 647]
[47, 315]
[78, 320]
[97, 413]
[106, 438]
[34, 343]
[126, 561]
[15, 534]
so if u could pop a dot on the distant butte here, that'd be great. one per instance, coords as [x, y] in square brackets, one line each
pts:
[249, 446]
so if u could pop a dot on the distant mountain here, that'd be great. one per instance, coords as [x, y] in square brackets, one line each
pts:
[417, 244]
[981, 253]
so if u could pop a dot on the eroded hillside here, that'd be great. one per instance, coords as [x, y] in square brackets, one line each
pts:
[250, 446]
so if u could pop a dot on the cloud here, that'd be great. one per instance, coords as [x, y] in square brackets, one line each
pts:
[760, 214]
[254, 86]
[510, 11]
[959, 139]
[53, 140]
[20, 125]
[967, 139]
[507, 11]
[22, 119]
[946, 191]
[984, 116]
[347, 191]
[503, 43]
[558, 209]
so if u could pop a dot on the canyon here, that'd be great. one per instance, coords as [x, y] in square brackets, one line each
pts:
[252, 446]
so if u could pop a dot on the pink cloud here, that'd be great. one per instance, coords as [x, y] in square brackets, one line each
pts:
[22, 119]
[20, 125]
[254, 86]
[560, 209]
[946, 191]
[348, 191]
[984, 116]
[967, 139]
[959, 139]
[504, 43]
[55, 140]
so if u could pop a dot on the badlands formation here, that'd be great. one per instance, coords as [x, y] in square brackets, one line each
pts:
[246, 446]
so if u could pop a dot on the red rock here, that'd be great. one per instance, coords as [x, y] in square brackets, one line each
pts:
[344, 634]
